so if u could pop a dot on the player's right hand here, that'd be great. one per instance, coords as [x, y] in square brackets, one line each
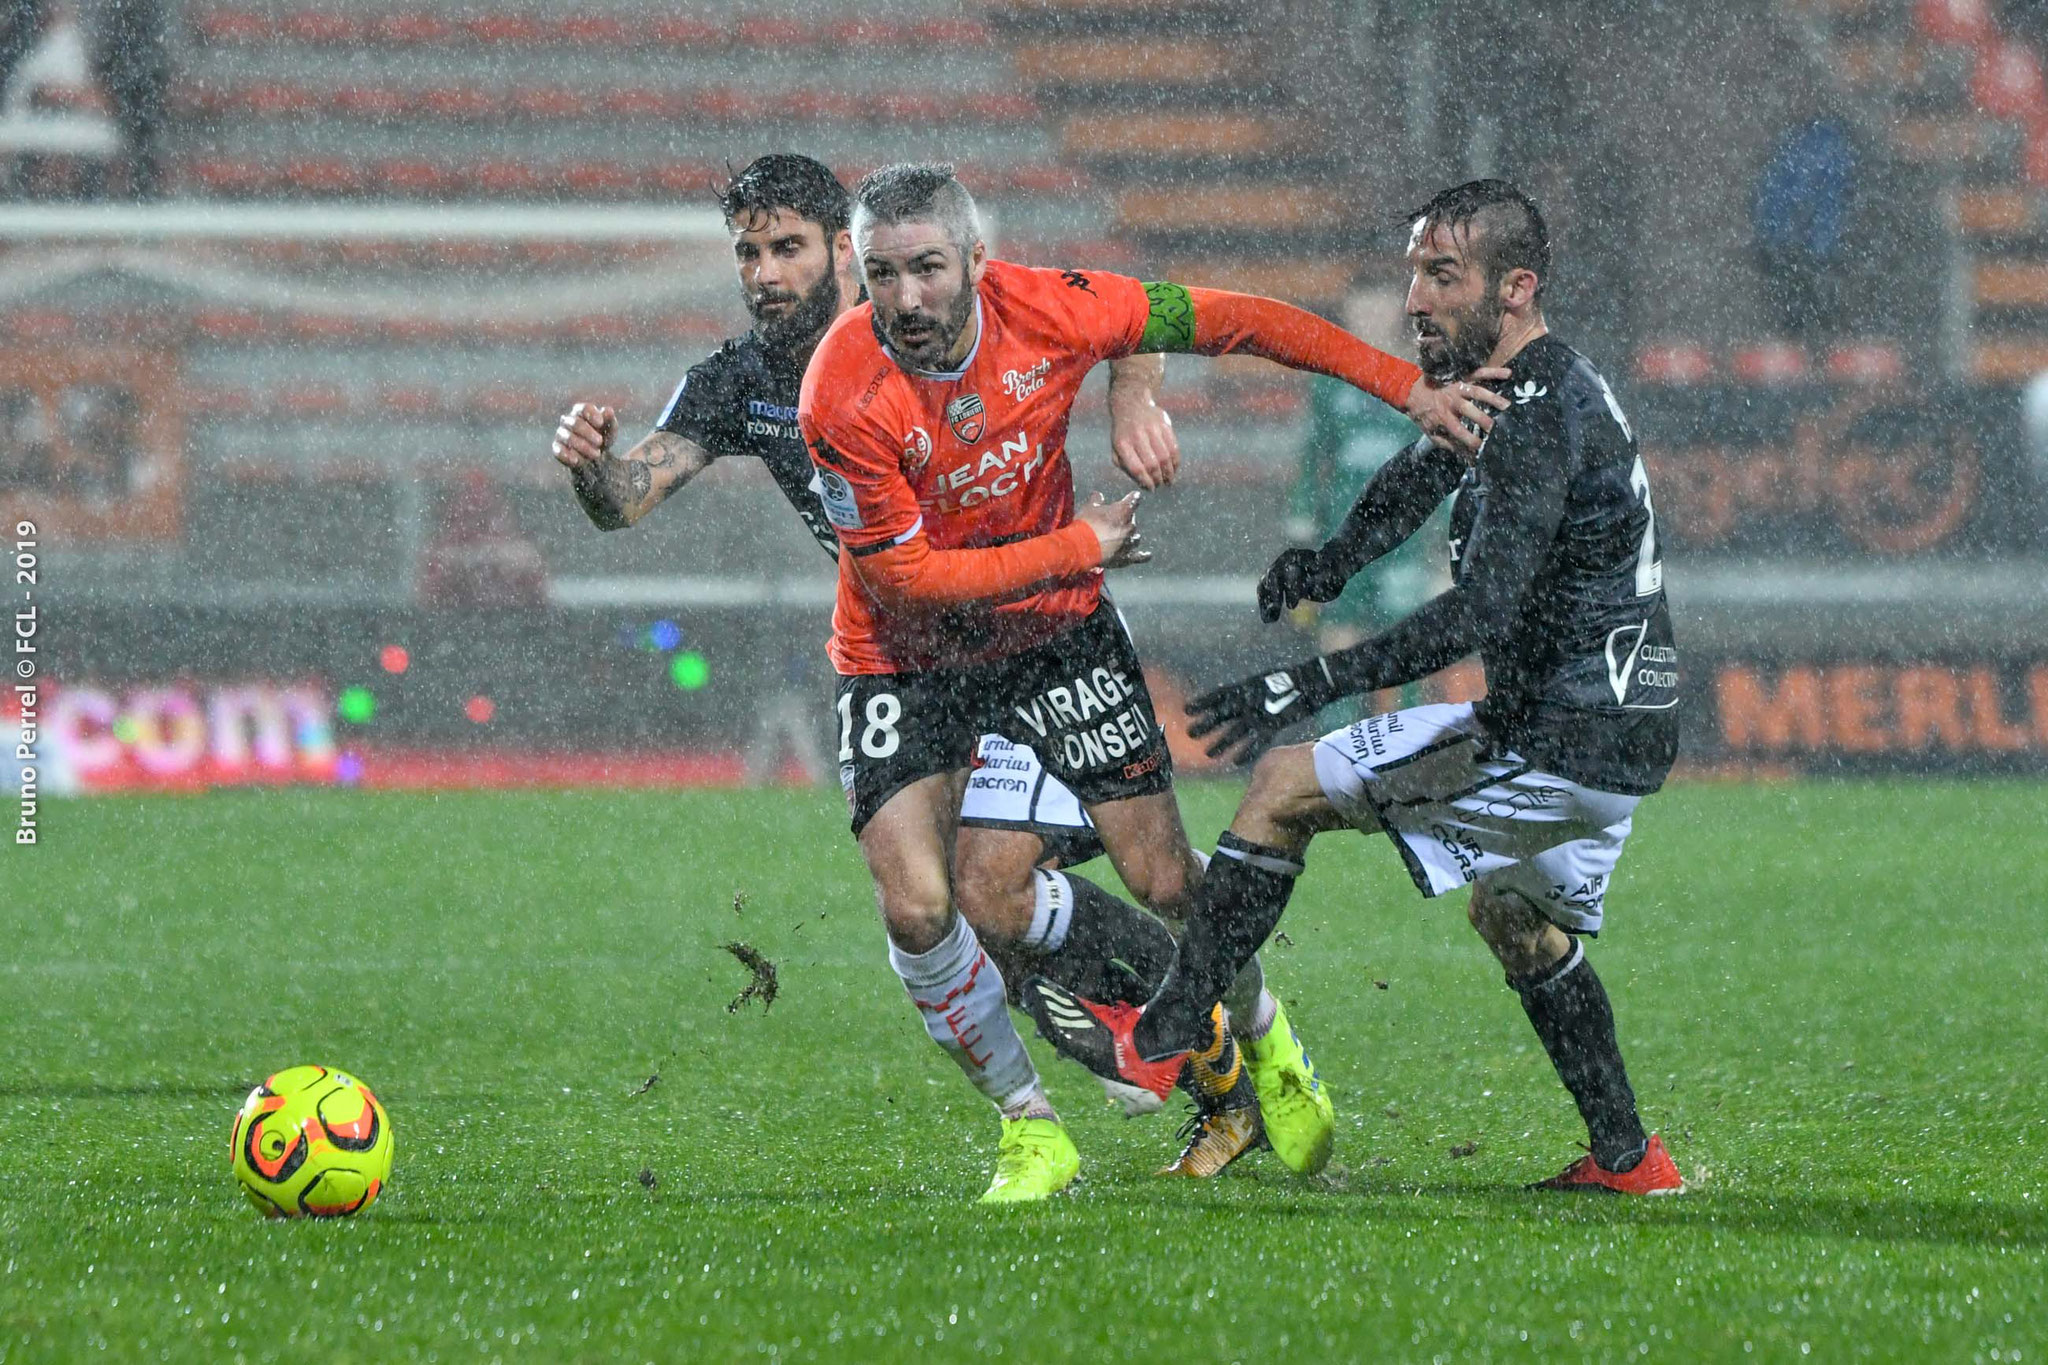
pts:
[585, 435]
[1116, 525]
[1451, 414]
[1298, 575]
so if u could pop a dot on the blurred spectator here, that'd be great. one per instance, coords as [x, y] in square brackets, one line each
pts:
[479, 557]
[127, 42]
[1804, 198]
[1350, 436]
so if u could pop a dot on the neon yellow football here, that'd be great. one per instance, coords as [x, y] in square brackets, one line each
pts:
[311, 1142]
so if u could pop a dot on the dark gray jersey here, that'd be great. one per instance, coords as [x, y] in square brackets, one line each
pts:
[1557, 583]
[740, 402]
[1585, 677]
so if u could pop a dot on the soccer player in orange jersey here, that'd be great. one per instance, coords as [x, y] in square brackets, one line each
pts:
[971, 600]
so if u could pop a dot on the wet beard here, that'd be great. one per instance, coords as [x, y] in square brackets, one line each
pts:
[789, 340]
[1478, 334]
[934, 353]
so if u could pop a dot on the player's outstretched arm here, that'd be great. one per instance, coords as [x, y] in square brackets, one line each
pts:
[1141, 439]
[618, 490]
[1218, 322]
[1501, 558]
[1392, 507]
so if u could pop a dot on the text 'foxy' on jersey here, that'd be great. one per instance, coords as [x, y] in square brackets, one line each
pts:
[1593, 632]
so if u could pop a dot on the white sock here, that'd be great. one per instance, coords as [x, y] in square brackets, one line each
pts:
[1251, 1005]
[959, 992]
[1052, 912]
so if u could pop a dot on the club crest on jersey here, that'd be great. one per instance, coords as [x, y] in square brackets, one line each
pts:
[917, 451]
[967, 417]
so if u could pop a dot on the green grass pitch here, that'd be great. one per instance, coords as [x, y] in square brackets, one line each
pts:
[1831, 999]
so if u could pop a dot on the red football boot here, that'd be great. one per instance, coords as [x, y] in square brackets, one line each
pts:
[1099, 1036]
[1656, 1173]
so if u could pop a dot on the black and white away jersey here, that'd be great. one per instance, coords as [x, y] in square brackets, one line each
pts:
[740, 401]
[1585, 676]
[1557, 581]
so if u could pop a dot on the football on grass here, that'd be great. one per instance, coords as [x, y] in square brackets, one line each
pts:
[312, 1142]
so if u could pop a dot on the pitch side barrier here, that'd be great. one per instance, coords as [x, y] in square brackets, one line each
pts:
[679, 692]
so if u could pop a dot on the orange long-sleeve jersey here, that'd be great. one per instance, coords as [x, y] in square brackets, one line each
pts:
[951, 492]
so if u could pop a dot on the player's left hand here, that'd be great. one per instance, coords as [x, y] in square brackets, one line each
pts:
[1243, 713]
[1457, 415]
[1299, 575]
[1141, 439]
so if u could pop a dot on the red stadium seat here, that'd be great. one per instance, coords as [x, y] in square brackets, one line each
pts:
[2035, 166]
[323, 175]
[596, 30]
[681, 30]
[1675, 363]
[230, 324]
[459, 102]
[1954, 23]
[1866, 362]
[2006, 82]
[1770, 363]
[231, 26]
[372, 102]
[313, 400]
[553, 102]
[505, 178]
[638, 102]
[779, 32]
[329, 28]
[411, 30]
[520, 29]
[411, 176]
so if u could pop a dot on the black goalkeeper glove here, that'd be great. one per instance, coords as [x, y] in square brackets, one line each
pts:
[1298, 575]
[1243, 713]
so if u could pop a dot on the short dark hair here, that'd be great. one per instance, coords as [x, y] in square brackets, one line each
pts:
[784, 180]
[917, 192]
[1512, 233]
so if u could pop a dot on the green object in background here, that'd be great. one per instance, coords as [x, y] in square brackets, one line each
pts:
[356, 705]
[1350, 435]
[689, 670]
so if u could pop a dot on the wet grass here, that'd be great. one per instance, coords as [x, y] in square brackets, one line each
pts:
[1832, 998]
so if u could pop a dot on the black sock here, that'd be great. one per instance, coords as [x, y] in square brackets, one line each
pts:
[1240, 900]
[1569, 1008]
[1114, 950]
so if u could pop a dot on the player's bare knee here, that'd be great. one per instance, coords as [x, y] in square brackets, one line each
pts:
[1163, 881]
[916, 906]
[1520, 937]
[1284, 805]
[993, 889]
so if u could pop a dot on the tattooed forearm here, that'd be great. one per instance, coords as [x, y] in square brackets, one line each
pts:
[620, 489]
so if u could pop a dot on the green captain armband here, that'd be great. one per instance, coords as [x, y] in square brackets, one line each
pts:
[1170, 325]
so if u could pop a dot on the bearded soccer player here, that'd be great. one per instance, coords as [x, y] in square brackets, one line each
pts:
[971, 599]
[788, 219]
[1528, 796]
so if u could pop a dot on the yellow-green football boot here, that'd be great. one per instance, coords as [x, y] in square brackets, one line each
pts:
[1299, 1120]
[1035, 1160]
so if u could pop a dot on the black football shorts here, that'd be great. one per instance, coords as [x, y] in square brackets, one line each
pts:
[1079, 700]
